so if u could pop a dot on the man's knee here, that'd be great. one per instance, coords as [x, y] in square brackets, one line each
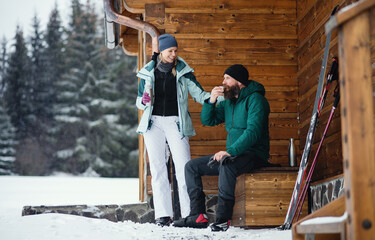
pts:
[190, 167]
[226, 169]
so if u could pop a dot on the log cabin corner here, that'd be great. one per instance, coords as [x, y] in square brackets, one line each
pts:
[281, 43]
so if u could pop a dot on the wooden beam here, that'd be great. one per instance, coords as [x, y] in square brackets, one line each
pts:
[152, 12]
[141, 146]
[357, 119]
[137, 6]
[129, 36]
[130, 43]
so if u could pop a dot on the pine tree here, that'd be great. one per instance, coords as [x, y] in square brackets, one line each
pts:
[7, 131]
[54, 69]
[113, 141]
[38, 82]
[74, 90]
[98, 120]
[54, 54]
[3, 64]
[18, 92]
[7, 144]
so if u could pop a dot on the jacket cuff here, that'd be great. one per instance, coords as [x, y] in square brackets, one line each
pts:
[208, 101]
[230, 152]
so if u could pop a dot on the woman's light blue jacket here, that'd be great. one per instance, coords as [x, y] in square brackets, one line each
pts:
[186, 83]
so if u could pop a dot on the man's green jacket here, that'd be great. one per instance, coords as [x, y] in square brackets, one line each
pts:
[246, 121]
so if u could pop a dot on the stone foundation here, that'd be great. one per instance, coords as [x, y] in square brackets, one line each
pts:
[139, 212]
[326, 192]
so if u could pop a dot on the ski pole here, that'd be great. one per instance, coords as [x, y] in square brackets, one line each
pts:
[313, 164]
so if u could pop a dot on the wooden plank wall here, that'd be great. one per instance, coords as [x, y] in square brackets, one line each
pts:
[311, 17]
[215, 34]
[372, 34]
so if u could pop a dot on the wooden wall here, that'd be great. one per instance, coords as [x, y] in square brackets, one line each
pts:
[281, 43]
[213, 35]
[311, 17]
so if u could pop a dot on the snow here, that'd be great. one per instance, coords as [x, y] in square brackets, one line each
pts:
[325, 220]
[64, 154]
[68, 119]
[16, 192]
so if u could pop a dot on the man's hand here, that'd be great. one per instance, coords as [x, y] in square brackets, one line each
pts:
[215, 93]
[219, 155]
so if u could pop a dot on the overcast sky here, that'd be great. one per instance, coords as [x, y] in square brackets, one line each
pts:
[21, 12]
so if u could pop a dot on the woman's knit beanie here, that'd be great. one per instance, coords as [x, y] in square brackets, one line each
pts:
[166, 41]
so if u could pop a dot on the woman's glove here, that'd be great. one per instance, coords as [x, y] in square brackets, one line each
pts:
[155, 56]
[146, 98]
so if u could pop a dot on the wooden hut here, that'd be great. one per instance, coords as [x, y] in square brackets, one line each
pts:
[281, 43]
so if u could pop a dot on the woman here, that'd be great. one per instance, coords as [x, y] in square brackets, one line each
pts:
[166, 119]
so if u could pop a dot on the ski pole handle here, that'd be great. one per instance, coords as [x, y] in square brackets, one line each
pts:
[333, 72]
[337, 99]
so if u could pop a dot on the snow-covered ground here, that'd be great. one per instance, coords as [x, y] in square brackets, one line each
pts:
[16, 192]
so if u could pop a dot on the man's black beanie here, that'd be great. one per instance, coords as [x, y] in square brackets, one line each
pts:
[238, 72]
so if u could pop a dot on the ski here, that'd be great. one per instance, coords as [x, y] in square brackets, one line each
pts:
[313, 164]
[333, 75]
[309, 139]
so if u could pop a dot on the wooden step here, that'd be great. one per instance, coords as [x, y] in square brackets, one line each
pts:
[320, 225]
[329, 222]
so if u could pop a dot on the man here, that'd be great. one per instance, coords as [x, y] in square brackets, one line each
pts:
[245, 112]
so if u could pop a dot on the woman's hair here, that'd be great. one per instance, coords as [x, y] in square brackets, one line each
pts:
[174, 65]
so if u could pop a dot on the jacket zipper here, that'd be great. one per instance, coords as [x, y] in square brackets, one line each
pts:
[179, 96]
[165, 94]
[230, 137]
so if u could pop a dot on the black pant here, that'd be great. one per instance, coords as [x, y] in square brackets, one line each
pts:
[228, 173]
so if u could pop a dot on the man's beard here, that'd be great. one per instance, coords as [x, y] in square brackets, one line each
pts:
[231, 93]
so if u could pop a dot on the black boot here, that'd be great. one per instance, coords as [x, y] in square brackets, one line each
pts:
[194, 221]
[163, 221]
[221, 226]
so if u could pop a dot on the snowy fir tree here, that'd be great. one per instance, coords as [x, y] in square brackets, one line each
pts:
[33, 157]
[18, 93]
[40, 83]
[7, 144]
[54, 69]
[71, 100]
[3, 63]
[7, 131]
[113, 141]
[73, 91]
[95, 134]
[54, 66]
[18, 97]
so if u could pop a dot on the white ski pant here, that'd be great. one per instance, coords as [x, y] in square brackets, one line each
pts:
[165, 129]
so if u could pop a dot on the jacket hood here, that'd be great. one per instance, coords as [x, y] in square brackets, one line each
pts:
[253, 87]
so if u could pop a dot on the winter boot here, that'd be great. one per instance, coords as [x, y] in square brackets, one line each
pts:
[220, 226]
[163, 221]
[194, 221]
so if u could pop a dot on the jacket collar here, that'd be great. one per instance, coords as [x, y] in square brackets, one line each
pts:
[181, 68]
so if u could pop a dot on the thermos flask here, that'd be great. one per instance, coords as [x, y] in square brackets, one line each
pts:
[292, 153]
